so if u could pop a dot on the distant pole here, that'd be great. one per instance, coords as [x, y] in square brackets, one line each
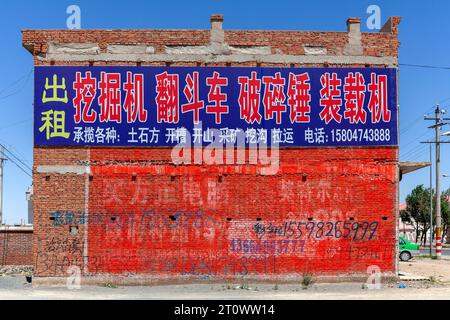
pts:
[2, 159]
[438, 186]
[431, 200]
[439, 122]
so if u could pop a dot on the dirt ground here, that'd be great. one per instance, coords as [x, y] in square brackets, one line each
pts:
[436, 270]
[437, 287]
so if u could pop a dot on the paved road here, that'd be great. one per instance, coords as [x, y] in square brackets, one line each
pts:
[16, 288]
[426, 251]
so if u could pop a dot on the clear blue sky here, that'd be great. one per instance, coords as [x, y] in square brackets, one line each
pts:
[424, 32]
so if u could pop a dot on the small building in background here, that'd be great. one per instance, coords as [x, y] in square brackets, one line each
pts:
[29, 196]
[16, 245]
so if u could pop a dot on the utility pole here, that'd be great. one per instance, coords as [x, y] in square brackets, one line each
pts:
[438, 185]
[437, 126]
[2, 160]
[431, 200]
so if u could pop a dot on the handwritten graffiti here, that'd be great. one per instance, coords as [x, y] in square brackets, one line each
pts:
[368, 253]
[318, 230]
[70, 246]
[149, 219]
[212, 265]
[202, 265]
[267, 246]
[174, 243]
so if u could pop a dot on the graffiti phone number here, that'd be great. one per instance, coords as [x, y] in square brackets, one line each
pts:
[267, 246]
[322, 229]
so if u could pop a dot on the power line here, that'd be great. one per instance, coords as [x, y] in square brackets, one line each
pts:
[423, 66]
[406, 153]
[417, 153]
[15, 123]
[18, 166]
[410, 126]
[414, 121]
[16, 81]
[17, 158]
[444, 100]
[414, 147]
[17, 91]
[413, 153]
[423, 152]
[16, 151]
[439, 122]
[414, 140]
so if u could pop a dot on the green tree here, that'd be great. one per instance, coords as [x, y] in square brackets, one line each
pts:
[418, 210]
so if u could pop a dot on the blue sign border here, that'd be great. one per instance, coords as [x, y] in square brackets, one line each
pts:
[356, 134]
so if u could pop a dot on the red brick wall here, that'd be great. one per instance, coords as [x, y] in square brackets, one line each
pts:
[325, 186]
[134, 192]
[149, 217]
[16, 248]
[282, 42]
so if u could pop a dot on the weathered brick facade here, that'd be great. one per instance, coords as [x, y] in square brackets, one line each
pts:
[151, 221]
[16, 246]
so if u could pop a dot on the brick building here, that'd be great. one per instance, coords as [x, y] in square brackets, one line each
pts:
[313, 184]
[16, 245]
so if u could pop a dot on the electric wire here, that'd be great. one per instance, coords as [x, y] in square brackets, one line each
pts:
[18, 159]
[18, 166]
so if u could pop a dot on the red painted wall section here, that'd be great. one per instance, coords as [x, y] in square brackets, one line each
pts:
[327, 211]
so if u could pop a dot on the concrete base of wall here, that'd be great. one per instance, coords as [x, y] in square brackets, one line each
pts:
[15, 270]
[145, 280]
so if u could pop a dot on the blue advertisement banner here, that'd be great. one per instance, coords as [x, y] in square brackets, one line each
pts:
[166, 106]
